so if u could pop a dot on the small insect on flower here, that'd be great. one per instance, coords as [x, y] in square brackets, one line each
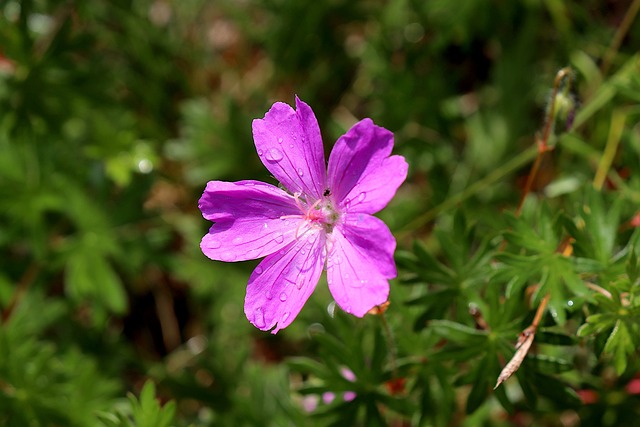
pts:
[322, 221]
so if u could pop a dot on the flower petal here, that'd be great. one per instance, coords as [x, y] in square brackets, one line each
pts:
[290, 146]
[251, 219]
[353, 278]
[283, 281]
[362, 177]
[371, 237]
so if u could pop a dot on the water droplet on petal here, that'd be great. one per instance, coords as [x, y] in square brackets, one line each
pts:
[347, 201]
[294, 137]
[362, 196]
[268, 294]
[300, 172]
[283, 297]
[303, 252]
[347, 309]
[227, 256]
[273, 155]
[300, 282]
[279, 140]
[265, 225]
[346, 276]
[337, 259]
[259, 270]
[278, 237]
[213, 244]
[260, 153]
[237, 240]
[258, 318]
[363, 281]
[290, 145]
[285, 316]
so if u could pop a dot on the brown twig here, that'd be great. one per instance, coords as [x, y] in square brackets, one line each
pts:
[525, 339]
[543, 141]
[25, 281]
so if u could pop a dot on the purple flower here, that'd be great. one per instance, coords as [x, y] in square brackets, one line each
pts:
[323, 221]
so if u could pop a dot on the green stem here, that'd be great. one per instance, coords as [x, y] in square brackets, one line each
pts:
[622, 31]
[507, 168]
[618, 118]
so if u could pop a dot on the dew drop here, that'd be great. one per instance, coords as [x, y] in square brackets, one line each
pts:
[347, 309]
[260, 153]
[258, 318]
[227, 256]
[283, 297]
[278, 237]
[290, 145]
[268, 294]
[347, 201]
[285, 316]
[300, 172]
[346, 276]
[273, 155]
[337, 259]
[279, 140]
[300, 282]
[362, 196]
[265, 225]
[213, 244]
[259, 270]
[237, 240]
[355, 283]
[363, 281]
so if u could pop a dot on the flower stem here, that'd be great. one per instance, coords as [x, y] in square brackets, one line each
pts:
[622, 31]
[543, 142]
[618, 118]
[495, 176]
[391, 343]
[23, 285]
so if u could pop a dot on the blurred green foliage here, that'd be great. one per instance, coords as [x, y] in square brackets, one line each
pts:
[115, 114]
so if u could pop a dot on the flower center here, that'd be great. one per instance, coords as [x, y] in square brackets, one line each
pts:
[323, 213]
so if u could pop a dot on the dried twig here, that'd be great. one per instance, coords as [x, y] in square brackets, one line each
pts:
[525, 339]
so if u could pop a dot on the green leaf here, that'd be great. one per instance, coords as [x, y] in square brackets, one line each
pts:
[458, 333]
[480, 387]
[547, 364]
[632, 268]
[90, 276]
[620, 345]
[146, 410]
